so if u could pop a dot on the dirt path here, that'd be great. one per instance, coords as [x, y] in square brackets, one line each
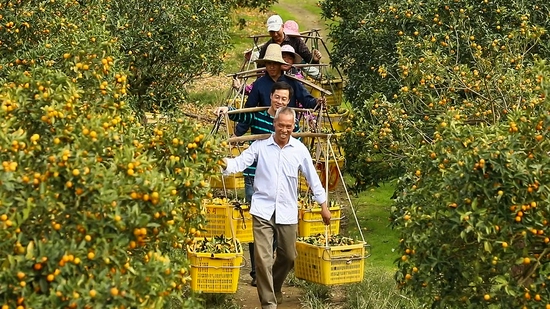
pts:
[304, 18]
[307, 21]
[247, 295]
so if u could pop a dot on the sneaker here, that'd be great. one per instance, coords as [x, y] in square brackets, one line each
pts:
[253, 282]
[279, 297]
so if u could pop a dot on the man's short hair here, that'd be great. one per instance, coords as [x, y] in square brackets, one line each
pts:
[283, 86]
[284, 111]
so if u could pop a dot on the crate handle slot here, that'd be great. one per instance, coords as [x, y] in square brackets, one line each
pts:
[213, 256]
[321, 220]
[218, 267]
[348, 259]
[243, 264]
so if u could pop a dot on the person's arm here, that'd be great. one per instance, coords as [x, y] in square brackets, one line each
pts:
[319, 194]
[304, 97]
[241, 129]
[241, 162]
[325, 213]
[244, 118]
[302, 50]
[254, 97]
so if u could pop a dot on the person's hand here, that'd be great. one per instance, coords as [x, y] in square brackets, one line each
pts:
[325, 213]
[321, 102]
[317, 55]
[223, 164]
[236, 83]
[233, 144]
[221, 110]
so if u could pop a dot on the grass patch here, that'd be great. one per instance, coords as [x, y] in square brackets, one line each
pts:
[373, 208]
[207, 97]
[213, 90]
[245, 23]
[285, 15]
[377, 291]
[209, 301]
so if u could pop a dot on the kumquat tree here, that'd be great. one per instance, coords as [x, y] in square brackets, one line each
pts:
[451, 98]
[409, 63]
[167, 44]
[93, 203]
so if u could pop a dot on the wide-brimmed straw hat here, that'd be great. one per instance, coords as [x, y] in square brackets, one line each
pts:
[289, 49]
[272, 54]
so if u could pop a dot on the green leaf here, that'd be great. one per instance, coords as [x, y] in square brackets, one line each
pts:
[30, 251]
[487, 246]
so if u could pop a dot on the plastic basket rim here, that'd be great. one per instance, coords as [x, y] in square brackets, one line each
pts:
[242, 263]
[221, 256]
[318, 209]
[217, 205]
[217, 255]
[357, 245]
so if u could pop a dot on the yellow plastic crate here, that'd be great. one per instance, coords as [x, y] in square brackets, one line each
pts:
[240, 225]
[310, 221]
[216, 217]
[337, 121]
[215, 273]
[303, 186]
[336, 86]
[333, 175]
[233, 181]
[330, 266]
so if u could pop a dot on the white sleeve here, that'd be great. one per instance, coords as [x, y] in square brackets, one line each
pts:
[309, 171]
[244, 160]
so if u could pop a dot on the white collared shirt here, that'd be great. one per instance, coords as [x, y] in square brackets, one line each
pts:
[276, 181]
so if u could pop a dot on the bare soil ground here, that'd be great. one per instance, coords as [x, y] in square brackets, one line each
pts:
[306, 20]
[247, 295]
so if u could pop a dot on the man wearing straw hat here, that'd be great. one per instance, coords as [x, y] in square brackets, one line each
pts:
[274, 207]
[259, 95]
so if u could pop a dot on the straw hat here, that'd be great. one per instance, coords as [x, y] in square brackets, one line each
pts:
[289, 49]
[272, 54]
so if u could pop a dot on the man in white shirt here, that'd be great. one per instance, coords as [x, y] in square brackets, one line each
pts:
[274, 204]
